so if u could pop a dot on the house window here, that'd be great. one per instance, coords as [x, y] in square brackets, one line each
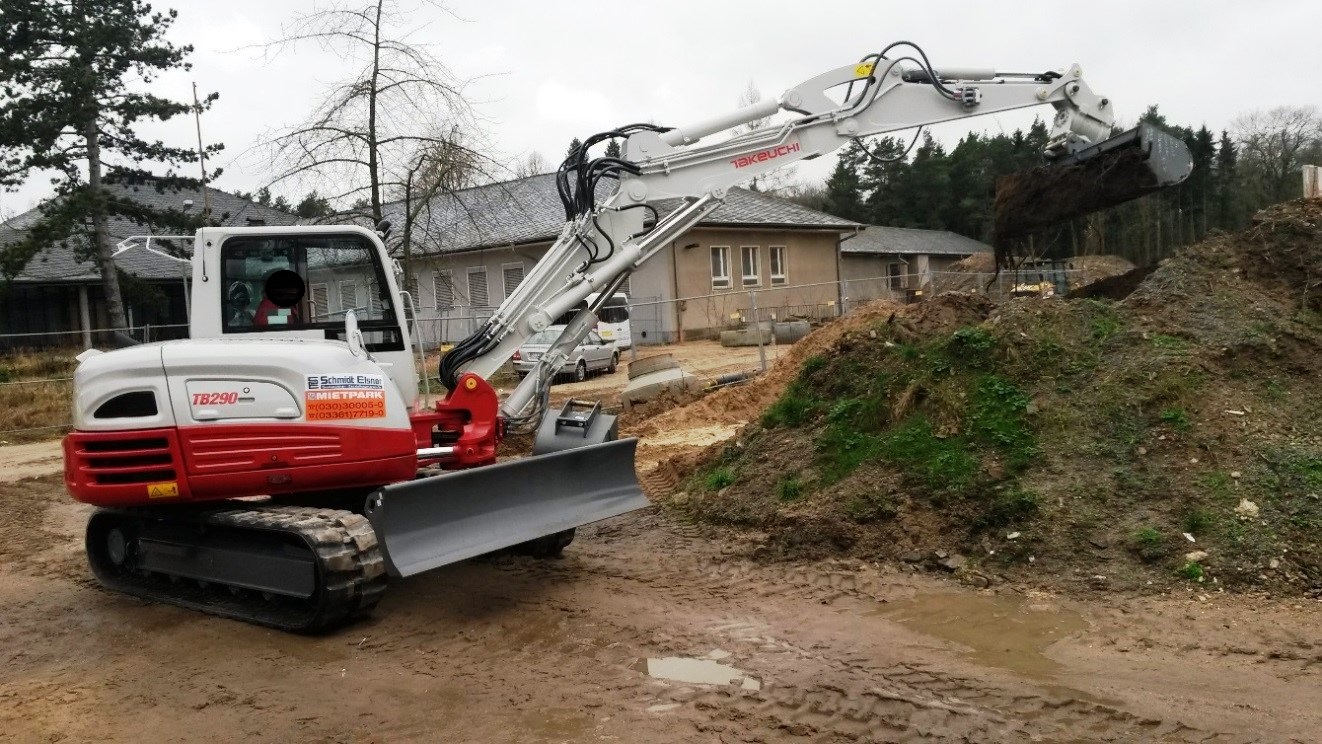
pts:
[373, 300]
[512, 274]
[319, 297]
[349, 296]
[442, 284]
[752, 266]
[477, 288]
[778, 273]
[720, 267]
[896, 273]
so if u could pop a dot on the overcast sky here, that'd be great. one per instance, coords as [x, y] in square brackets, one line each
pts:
[544, 72]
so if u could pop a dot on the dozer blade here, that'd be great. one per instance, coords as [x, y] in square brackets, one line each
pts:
[433, 522]
[1113, 171]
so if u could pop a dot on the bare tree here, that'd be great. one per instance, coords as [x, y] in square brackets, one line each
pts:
[436, 168]
[774, 181]
[380, 129]
[532, 165]
[1275, 144]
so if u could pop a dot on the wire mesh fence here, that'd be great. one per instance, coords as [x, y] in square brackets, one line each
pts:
[36, 368]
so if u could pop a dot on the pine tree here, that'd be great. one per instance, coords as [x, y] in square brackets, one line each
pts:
[574, 146]
[1226, 184]
[69, 108]
[613, 149]
[313, 205]
[844, 192]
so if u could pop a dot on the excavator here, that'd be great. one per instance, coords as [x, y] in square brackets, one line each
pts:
[281, 464]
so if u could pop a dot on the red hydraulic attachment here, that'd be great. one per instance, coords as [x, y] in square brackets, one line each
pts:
[464, 429]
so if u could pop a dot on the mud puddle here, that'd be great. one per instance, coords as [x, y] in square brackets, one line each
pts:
[700, 671]
[1008, 632]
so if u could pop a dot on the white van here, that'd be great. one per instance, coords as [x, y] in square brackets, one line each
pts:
[612, 320]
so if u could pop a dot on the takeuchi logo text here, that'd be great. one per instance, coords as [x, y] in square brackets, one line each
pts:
[771, 153]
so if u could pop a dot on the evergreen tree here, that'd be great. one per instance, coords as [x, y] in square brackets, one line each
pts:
[1226, 184]
[883, 181]
[313, 206]
[844, 191]
[613, 149]
[68, 108]
[575, 145]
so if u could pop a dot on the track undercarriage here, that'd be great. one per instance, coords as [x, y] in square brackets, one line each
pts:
[288, 567]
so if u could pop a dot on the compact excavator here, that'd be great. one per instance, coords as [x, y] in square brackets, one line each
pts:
[280, 464]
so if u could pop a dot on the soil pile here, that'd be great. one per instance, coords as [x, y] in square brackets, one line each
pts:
[1169, 437]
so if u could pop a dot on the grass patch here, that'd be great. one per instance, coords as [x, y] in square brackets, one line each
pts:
[42, 403]
[1176, 418]
[789, 490]
[797, 405]
[1150, 544]
[972, 346]
[1218, 485]
[841, 449]
[1191, 570]
[997, 418]
[1199, 521]
[792, 409]
[1168, 343]
[1274, 390]
[1105, 324]
[718, 479]
[943, 465]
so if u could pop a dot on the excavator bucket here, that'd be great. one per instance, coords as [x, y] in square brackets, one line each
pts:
[1113, 171]
[432, 522]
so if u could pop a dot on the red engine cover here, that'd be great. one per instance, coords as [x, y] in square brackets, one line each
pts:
[201, 463]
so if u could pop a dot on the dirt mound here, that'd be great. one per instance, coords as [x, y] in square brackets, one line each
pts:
[978, 263]
[742, 403]
[1170, 437]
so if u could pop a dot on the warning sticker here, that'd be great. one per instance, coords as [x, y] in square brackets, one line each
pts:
[166, 490]
[324, 405]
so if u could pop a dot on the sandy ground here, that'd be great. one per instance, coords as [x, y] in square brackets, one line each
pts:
[647, 630]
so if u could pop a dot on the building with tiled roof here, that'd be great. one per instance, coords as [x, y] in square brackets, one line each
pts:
[899, 262]
[57, 294]
[478, 243]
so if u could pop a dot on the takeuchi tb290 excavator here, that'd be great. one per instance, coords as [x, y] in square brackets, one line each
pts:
[279, 464]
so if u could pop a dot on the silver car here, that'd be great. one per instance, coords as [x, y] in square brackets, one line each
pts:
[592, 354]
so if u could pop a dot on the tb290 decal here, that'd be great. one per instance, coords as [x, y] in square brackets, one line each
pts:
[215, 399]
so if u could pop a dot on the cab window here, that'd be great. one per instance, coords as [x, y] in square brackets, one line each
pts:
[276, 283]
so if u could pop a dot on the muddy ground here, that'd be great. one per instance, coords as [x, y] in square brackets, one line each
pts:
[515, 649]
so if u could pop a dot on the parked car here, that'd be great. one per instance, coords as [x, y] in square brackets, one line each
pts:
[592, 354]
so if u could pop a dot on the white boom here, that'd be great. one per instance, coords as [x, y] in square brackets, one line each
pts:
[884, 95]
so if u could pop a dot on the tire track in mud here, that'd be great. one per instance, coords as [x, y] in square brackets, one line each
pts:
[865, 700]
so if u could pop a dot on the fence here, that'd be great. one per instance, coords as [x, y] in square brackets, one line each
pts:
[99, 337]
[653, 320]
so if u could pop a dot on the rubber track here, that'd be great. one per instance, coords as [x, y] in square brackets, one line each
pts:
[351, 572]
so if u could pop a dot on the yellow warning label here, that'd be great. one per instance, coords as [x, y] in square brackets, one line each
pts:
[863, 70]
[329, 405]
[167, 490]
